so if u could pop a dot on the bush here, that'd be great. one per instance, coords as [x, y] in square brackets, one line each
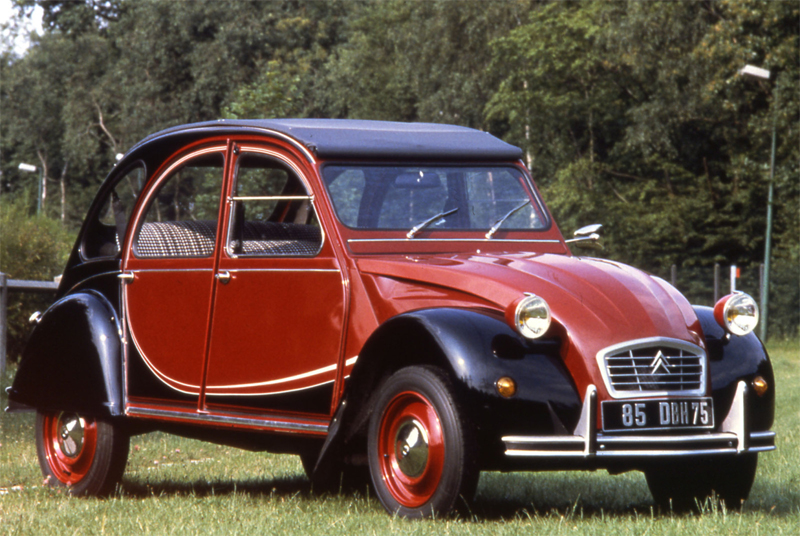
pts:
[31, 247]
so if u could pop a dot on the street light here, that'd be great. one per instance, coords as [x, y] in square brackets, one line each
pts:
[758, 72]
[32, 169]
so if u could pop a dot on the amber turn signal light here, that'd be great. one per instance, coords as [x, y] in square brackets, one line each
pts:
[760, 385]
[506, 387]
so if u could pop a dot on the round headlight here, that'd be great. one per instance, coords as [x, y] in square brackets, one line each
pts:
[737, 313]
[532, 317]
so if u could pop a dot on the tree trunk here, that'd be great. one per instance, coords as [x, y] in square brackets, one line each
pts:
[43, 162]
[63, 182]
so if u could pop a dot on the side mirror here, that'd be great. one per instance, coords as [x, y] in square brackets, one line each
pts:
[588, 237]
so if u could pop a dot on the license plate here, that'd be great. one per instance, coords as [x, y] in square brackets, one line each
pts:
[658, 414]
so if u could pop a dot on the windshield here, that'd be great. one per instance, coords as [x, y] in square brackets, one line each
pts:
[403, 197]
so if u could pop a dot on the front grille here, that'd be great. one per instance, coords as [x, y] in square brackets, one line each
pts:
[653, 367]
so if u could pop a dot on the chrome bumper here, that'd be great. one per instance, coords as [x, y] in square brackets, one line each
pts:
[586, 442]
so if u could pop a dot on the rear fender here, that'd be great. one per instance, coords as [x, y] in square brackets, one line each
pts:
[72, 361]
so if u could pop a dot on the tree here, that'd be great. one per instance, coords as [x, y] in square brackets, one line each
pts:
[418, 61]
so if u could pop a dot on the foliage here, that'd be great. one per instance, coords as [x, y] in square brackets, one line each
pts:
[419, 61]
[631, 113]
[33, 248]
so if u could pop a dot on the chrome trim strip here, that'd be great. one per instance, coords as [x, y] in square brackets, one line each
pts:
[227, 419]
[319, 270]
[644, 343]
[271, 198]
[587, 442]
[587, 424]
[736, 421]
[481, 239]
[168, 270]
[694, 438]
[762, 435]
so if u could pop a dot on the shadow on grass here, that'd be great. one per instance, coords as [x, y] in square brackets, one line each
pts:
[281, 487]
[574, 498]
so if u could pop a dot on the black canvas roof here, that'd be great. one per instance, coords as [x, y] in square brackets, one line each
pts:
[354, 138]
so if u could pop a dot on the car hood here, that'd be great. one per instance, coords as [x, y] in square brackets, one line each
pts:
[594, 303]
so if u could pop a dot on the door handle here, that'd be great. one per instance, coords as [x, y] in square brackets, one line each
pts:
[223, 277]
[126, 277]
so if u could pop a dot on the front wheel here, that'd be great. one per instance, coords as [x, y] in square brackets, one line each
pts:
[421, 448]
[83, 454]
[685, 485]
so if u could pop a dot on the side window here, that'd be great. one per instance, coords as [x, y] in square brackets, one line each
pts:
[181, 219]
[272, 213]
[104, 235]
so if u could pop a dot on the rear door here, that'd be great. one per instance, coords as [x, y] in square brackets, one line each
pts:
[170, 267]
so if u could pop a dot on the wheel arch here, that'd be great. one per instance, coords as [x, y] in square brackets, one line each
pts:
[72, 361]
[732, 359]
[464, 344]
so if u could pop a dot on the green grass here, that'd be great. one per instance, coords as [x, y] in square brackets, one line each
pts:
[179, 486]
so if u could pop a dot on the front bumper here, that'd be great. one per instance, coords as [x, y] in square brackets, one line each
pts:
[734, 437]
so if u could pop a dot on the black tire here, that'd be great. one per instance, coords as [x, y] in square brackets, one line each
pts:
[421, 449]
[685, 485]
[87, 456]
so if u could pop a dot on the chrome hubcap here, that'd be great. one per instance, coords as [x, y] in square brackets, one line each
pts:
[411, 448]
[70, 435]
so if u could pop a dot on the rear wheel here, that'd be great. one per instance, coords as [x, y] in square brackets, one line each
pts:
[685, 485]
[83, 454]
[420, 447]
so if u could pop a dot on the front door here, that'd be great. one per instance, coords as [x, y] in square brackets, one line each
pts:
[276, 330]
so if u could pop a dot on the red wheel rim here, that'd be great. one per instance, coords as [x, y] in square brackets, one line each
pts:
[70, 442]
[411, 449]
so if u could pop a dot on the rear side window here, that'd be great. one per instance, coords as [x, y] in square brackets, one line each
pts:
[106, 229]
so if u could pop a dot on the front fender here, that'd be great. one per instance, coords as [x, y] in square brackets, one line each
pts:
[72, 360]
[477, 348]
[732, 359]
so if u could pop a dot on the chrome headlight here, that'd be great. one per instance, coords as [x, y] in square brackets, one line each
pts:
[737, 313]
[532, 317]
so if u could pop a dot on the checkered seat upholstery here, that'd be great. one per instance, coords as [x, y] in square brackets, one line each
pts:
[176, 239]
[273, 238]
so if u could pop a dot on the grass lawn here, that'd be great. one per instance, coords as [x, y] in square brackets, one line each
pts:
[181, 486]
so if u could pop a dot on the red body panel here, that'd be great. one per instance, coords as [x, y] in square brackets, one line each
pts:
[254, 349]
[594, 303]
[255, 346]
[171, 335]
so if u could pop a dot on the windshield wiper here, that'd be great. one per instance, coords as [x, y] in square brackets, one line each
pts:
[420, 226]
[502, 220]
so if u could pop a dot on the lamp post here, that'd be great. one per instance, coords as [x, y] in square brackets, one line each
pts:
[757, 72]
[32, 169]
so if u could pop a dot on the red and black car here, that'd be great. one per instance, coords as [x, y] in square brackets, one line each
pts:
[378, 294]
